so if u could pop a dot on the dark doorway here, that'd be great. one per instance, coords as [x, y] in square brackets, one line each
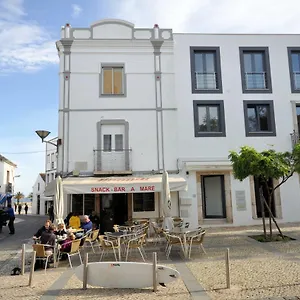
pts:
[38, 204]
[214, 196]
[114, 210]
[257, 183]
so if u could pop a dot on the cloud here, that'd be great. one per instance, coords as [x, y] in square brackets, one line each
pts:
[212, 16]
[76, 10]
[25, 45]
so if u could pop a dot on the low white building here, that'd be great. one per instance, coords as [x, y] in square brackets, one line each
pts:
[7, 176]
[136, 101]
[39, 203]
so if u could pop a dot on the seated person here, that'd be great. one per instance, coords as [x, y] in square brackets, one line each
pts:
[87, 225]
[48, 238]
[67, 219]
[60, 231]
[66, 245]
[42, 229]
[74, 221]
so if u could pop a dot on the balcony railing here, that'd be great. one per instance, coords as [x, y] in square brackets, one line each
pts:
[294, 138]
[296, 76]
[112, 161]
[206, 81]
[256, 81]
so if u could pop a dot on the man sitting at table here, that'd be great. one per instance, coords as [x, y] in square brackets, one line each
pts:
[86, 226]
[42, 229]
[48, 238]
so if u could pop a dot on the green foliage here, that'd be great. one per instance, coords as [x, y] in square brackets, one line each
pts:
[19, 196]
[266, 164]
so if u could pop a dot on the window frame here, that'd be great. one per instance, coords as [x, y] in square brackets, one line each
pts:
[216, 51]
[101, 77]
[220, 103]
[290, 52]
[143, 211]
[269, 103]
[265, 50]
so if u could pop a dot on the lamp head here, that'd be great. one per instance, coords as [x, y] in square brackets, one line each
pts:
[42, 134]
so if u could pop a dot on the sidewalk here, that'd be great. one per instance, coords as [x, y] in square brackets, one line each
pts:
[258, 271]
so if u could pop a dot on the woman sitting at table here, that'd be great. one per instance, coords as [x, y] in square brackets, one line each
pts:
[60, 232]
[66, 245]
[74, 221]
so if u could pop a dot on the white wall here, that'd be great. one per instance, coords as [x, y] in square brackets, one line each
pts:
[4, 167]
[38, 189]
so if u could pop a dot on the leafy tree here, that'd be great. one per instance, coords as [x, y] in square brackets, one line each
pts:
[265, 165]
[30, 196]
[19, 196]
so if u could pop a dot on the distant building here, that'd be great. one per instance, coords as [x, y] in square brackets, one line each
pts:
[40, 203]
[7, 176]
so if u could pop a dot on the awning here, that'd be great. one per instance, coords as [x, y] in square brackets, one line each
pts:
[111, 185]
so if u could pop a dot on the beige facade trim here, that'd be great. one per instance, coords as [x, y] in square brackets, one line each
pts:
[228, 195]
[277, 199]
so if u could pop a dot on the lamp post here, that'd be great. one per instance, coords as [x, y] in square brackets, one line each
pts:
[43, 134]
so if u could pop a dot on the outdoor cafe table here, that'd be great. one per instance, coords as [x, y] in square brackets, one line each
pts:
[183, 232]
[117, 235]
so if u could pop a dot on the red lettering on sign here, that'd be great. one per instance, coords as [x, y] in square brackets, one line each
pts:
[132, 189]
[147, 188]
[119, 189]
[100, 190]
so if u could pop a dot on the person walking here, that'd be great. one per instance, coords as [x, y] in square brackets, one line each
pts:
[51, 213]
[11, 214]
[26, 208]
[19, 208]
[16, 206]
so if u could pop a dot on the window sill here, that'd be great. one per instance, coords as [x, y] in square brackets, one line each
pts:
[257, 91]
[217, 91]
[112, 95]
[211, 134]
[260, 133]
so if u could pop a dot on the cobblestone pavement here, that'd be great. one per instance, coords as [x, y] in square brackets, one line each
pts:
[259, 271]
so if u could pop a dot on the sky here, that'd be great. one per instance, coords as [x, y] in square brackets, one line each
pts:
[29, 61]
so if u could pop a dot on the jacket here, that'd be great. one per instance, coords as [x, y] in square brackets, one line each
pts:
[74, 222]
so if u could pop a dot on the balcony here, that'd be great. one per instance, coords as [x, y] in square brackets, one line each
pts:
[256, 81]
[112, 162]
[294, 138]
[206, 81]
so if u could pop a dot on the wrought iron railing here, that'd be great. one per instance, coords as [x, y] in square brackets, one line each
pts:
[206, 81]
[113, 160]
[256, 81]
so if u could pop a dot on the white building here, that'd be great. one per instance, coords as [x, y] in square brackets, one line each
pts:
[135, 101]
[7, 175]
[41, 203]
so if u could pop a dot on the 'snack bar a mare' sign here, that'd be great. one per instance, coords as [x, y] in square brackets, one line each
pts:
[124, 189]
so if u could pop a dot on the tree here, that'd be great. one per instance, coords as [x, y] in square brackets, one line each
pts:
[30, 196]
[19, 196]
[265, 165]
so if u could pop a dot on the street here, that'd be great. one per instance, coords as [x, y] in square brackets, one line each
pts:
[26, 226]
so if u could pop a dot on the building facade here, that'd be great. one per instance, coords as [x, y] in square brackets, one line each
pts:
[39, 205]
[137, 101]
[7, 176]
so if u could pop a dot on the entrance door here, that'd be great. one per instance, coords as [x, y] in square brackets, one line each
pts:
[214, 196]
[257, 184]
[113, 154]
[114, 210]
[38, 203]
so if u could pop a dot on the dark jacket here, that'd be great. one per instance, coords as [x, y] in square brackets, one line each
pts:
[95, 219]
[40, 231]
[48, 238]
[87, 226]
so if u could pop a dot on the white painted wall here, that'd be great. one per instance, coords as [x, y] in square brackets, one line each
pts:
[216, 148]
[4, 167]
[38, 189]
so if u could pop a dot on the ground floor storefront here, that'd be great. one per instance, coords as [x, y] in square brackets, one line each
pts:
[215, 197]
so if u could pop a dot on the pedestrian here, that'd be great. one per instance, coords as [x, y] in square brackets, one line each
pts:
[11, 214]
[16, 207]
[51, 213]
[26, 208]
[19, 208]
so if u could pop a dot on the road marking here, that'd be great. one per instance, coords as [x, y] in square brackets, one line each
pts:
[17, 220]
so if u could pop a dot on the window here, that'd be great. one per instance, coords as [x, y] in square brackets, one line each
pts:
[7, 176]
[52, 177]
[48, 158]
[107, 143]
[143, 202]
[209, 118]
[298, 117]
[294, 64]
[112, 80]
[255, 70]
[48, 178]
[259, 118]
[119, 142]
[38, 186]
[206, 70]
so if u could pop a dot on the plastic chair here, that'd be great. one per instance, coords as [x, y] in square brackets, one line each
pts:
[92, 238]
[75, 250]
[173, 240]
[197, 239]
[136, 243]
[41, 253]
[107, 245]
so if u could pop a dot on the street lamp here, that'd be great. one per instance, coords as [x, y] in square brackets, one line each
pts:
[43, 134]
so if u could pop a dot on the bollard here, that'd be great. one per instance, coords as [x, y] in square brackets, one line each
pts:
[32, 268]
[85, 269]
[154, 272]
[23, 259]
[227, 266]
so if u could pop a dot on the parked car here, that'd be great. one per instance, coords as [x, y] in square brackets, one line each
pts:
[3, 218]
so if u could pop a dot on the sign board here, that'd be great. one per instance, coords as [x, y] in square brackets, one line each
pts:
[240, 197]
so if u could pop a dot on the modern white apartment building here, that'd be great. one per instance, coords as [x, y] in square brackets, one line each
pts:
[136, 101]
[7, 175]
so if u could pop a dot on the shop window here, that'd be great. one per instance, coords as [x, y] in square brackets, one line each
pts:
[77, 203]
[143, 202]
